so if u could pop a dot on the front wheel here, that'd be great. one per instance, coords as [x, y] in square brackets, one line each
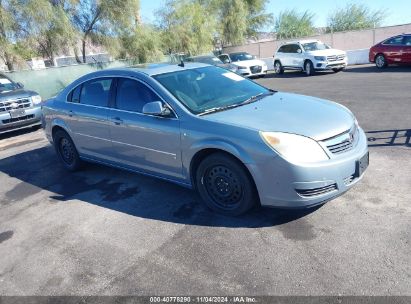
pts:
[66, 151]
[278, 68]
[380, 61]
[224, 185]
[309, 68]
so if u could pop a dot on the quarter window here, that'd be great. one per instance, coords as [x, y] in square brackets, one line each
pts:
[95, 92]
[132, 95]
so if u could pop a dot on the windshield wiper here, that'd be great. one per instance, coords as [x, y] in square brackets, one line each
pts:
[247, 101]
[255, 98]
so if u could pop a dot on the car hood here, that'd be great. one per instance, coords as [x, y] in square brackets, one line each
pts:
[248, 63]
[15, 94]
[327, 52]
[290, 113]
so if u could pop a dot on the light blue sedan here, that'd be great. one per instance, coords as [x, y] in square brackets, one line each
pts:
[237, 143]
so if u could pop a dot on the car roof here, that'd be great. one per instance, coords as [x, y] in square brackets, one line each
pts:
[152, 69]
[302, 41]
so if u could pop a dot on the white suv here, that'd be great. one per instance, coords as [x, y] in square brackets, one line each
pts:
[308, 56]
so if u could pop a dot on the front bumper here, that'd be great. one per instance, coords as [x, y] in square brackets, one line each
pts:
[283, 184]
[329, 65]
[31, 118]
[249, 73]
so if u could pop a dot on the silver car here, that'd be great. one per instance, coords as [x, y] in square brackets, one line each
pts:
[236, 142]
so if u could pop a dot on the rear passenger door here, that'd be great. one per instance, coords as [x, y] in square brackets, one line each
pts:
[407, 49]
[393, 49]
[87, 117]
[144, 142]
[295, 56]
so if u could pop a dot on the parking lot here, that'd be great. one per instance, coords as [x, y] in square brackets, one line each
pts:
[102, 231]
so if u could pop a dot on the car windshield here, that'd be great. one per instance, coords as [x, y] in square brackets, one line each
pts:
[314, 46]
[6, 84]
[241, 57]
[204, 89]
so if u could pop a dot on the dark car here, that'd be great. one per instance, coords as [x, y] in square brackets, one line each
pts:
[394, 50]
[213, 60]
[19, 108]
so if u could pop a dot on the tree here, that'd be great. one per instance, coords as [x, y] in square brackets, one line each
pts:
[143, 44]
[354, 17]
[186, 27]
[256, 17]
[95, 19]
[291, 24]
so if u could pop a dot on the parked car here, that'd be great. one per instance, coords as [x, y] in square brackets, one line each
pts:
[394, 50]
[213, 60]
[308, 56]
[247, 64]
[237, 143]
[19, 108]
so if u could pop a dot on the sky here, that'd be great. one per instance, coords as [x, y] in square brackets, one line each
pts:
[398, 11]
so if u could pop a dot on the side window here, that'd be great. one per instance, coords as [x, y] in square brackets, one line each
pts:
[394, 41]
[281, 49]
[132, 95]
[293, 48]
[224, 58]
[96, 92]
[407, 40]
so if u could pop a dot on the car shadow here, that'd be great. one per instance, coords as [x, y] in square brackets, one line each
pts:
[122, 191]
[384, 138]
[374, 69]
[19, 132]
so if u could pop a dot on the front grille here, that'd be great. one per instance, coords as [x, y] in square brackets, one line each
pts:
[22, 118]
[335, 58]
[317, 191]
[256, 69]
[21, 103]
[343, 142]
[341, 147]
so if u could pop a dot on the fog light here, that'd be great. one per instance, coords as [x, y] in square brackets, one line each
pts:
[319, 65]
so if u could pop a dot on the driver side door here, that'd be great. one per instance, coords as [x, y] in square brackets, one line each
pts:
[143, 142]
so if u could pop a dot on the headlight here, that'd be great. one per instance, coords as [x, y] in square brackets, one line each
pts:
[320, 58]
[241, 67]
[36, 99]
[295, 148]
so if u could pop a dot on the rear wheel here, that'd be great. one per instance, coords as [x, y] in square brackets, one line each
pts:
[278, 68]
[309, 68]
[380, 61]
[66, 150]
[224, 185]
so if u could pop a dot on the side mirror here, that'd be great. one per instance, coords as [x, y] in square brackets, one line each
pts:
[156, 108]
[20, 85]
[299, 51]
[254, 57]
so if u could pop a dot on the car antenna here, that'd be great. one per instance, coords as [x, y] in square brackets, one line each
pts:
[181, 64]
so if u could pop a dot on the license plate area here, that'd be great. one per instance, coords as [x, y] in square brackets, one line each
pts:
[17, 113]
[362, 164]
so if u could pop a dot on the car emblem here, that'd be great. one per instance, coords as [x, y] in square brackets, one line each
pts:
[14, 105]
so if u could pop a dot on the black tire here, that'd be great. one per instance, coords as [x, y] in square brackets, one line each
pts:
[380, 61]
[278, 67]
[309, 68]
[225, 185]
[338, 70]
[66, 151]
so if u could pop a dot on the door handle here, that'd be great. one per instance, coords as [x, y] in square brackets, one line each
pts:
[71, 113]
[117, 121]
